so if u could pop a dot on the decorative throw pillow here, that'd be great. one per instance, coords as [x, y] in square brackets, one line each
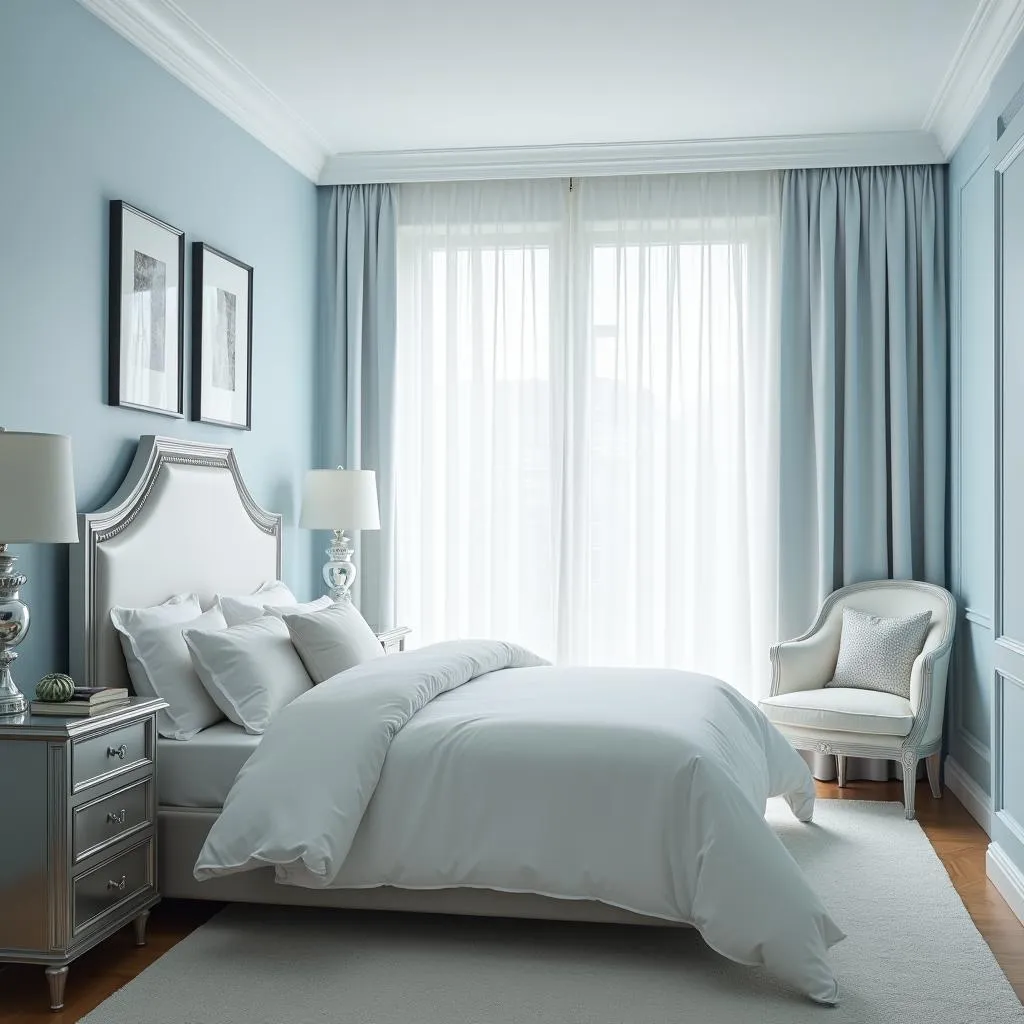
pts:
[251, 671]
[239, 609]
[877, 652]
[333, 640]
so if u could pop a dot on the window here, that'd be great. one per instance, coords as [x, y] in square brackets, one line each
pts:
[583, 428]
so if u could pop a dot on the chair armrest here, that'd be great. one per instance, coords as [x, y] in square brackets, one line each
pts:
[928, 694]
[804, 664]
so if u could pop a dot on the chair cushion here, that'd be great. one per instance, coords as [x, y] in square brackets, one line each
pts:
[839, 709]
[877, 652]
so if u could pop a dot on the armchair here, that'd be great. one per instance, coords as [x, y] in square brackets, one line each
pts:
[849, 722]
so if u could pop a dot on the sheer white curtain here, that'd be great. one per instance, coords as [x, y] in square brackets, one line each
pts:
[586, 420]
[480, 323]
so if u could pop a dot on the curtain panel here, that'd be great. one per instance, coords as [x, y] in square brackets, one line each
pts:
[864, 386]
[587, 410]
[864, 376]
[356, 381]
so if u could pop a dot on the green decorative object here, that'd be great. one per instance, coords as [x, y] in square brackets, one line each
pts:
[55, 688]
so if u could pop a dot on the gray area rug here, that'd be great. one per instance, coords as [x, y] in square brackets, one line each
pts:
[912, 956]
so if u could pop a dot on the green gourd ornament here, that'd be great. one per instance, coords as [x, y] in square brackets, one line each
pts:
[55, 688]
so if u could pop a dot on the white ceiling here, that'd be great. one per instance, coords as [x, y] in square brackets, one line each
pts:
[351, 76]
[409, 74]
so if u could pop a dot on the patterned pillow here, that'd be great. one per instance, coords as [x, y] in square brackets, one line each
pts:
[877, 653]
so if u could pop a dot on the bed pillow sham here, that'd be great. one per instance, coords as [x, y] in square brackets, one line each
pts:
[280, 610]
[332, 640]
[250, 671]
[242, 608]
[159, 664]
[878, 652]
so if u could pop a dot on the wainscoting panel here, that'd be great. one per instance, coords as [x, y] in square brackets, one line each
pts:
[1010, 418]
[972, 706]
[1009, 759]
[972, 546]
[1008, 620]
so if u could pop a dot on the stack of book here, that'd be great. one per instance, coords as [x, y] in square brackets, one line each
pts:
[87, 700]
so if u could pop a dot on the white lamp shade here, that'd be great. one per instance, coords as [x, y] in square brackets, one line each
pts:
[37, 489]
[340, 499]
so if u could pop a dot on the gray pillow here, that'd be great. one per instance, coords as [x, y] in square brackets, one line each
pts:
[332, 640]
[878, 653]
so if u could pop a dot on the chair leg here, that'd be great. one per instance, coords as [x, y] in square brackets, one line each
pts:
[909, 761]
[934, 780]
[841, 770]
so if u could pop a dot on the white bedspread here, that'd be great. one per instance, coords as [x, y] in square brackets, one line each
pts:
[642, 788]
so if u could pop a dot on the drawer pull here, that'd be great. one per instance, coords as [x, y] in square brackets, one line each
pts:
[120, 752]
[118, 885]
[116, 819]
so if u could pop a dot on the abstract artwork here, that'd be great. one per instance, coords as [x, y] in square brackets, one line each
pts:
[221, 338]
[146, 357]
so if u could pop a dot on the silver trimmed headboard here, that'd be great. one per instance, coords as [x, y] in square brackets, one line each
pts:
[182, 521]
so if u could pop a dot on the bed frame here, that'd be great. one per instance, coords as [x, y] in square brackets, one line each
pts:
[183, 521]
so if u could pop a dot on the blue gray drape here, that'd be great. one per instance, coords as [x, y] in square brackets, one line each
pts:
[356, 384]
[864, 377]
[864, 365]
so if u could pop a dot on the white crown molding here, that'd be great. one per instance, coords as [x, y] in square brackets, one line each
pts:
[1006, 877]
[989, 38]
[162, 31]
[165, 33]
[770, 153]
[975, 800]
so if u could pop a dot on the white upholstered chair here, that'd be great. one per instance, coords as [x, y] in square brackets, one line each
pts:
[866, 723]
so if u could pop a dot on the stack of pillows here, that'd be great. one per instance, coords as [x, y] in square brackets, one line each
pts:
[244, 658]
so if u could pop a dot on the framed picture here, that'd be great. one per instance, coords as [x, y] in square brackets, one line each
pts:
[221, 338]
[147, 312]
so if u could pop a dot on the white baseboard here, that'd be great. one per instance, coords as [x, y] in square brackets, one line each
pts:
[969, 793]
[1006, 877]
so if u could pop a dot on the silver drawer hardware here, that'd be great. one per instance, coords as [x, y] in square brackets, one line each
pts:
[116, 819]
[118, 885]
[120, 751]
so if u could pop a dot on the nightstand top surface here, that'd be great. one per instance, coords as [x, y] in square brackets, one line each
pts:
[75, 725]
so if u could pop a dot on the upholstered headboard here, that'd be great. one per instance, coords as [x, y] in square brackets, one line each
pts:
[182, 521]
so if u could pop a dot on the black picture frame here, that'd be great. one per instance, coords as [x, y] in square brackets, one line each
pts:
[212, 330]
[143, 317]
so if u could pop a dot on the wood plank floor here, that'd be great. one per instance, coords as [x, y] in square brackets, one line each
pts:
[957, 838]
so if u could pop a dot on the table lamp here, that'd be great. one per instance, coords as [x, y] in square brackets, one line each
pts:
[37, 505]
[338, 500]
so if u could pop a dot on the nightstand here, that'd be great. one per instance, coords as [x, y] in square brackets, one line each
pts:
[78, 853]
[393, 639]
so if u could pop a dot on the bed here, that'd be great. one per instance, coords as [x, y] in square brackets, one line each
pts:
[184, 521]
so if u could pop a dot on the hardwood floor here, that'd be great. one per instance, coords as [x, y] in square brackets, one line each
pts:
[957, 838]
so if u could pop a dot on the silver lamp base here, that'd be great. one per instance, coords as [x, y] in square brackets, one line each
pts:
[14, 619]
[339, 569]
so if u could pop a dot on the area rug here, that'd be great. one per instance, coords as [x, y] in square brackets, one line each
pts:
[912, 956]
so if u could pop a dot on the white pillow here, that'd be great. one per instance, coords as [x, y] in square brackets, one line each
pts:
[240, 609]
[179, 608]
[332, 640]
[159, 663]
[280, 610]
[251, 671]
[878, 652]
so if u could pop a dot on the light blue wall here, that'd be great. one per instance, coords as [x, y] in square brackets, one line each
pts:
[987, 693]
[85, 118]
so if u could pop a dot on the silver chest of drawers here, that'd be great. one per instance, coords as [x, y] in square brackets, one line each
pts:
[77, 833]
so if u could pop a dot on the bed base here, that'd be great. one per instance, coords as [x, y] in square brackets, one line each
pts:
[182, 832]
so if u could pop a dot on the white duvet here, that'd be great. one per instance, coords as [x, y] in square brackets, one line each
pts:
[474, 763]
